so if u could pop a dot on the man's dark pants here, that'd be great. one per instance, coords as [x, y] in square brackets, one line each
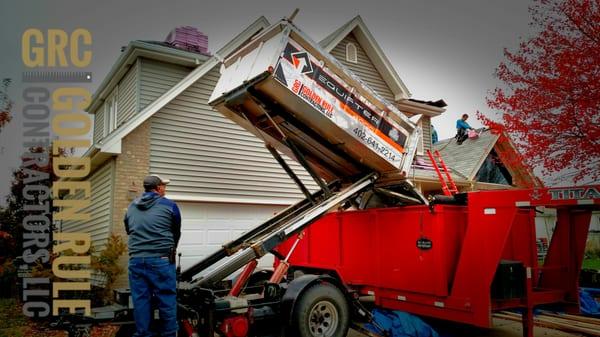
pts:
[153, 277]
[461, 135]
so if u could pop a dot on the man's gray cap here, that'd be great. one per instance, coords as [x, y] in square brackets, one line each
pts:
[152, 181]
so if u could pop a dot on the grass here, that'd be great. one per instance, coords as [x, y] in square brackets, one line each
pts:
[14, 324]
[12, 320]
[593, 263]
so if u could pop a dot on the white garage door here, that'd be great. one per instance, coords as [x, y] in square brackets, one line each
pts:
[207, 226]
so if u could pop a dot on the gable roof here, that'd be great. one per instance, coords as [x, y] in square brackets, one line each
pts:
[373, 50]
[112, 143]
[466, 159]
[147, 49]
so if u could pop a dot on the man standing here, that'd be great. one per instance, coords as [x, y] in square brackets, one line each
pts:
[461, 129]
[153, 224]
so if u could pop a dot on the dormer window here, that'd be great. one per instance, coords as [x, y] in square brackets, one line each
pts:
[351, 53]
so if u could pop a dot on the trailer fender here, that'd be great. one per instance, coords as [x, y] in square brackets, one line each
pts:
[301, 284]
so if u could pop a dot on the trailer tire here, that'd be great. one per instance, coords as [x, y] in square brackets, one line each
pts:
[321, 311]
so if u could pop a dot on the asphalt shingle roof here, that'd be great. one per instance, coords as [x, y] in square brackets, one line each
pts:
[466, 159]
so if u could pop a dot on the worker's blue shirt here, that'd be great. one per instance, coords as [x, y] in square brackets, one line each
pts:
[153, 224]
[460, 124]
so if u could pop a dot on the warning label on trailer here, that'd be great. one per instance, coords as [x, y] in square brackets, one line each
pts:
[326, 92]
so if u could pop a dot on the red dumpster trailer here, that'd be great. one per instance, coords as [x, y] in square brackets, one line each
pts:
[457, 258]
[458, 263]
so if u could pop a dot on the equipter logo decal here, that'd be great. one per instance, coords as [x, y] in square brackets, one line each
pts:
[302, 62]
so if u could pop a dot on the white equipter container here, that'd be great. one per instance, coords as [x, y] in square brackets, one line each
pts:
[285, 89]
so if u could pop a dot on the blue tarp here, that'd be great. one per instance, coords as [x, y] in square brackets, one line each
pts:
[401, 324]
[587, 301]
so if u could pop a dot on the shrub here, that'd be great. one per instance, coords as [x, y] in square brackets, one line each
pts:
[592, 247]
[107, 265]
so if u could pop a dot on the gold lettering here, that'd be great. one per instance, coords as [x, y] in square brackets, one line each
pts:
[77, 242]
[57, 42]
[68, 143]
[82, 130]
[27, 50]
[72, 187]
[65, 286]
[70, 171]
[71, 273]
[67, 104]
[72, 305]
[86, 39]
[69, 208]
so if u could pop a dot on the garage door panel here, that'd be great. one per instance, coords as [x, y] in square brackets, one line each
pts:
[192, 237]
[219, 236]
[217, 224]
[207, 226]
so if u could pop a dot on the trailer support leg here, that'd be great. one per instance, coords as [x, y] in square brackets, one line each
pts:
[527, 316]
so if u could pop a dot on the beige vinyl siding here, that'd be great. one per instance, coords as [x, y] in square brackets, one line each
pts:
[364, 68]
[156, 78]
[426, 125]
[207, 156]
[99, 125]
[99, 209]
[127, 95]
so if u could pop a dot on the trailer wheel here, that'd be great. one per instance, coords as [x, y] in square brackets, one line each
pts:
[321, 311]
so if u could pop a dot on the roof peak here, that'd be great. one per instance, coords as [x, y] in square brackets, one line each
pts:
[364, 37]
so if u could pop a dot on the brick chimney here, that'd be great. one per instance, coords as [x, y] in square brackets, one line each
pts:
[188, 38]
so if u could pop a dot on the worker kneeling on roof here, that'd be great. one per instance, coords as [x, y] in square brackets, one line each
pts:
[461, 129]
[153, 224]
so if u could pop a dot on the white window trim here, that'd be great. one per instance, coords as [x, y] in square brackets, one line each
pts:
[106, 125]
[350, 46]
[110, 112]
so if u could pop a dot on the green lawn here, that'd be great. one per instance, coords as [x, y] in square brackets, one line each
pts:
[12, 319]
[591, 263]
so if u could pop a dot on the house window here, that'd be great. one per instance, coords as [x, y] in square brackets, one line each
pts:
[351, 53]
[110, 112]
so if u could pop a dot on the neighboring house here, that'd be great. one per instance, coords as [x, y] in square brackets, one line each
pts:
[151, 117]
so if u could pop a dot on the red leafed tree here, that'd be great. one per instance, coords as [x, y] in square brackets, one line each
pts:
[550, 96]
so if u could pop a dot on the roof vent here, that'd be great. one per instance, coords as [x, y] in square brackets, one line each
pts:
[188, 38]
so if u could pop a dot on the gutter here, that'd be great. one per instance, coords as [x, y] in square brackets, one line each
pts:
[419, 108]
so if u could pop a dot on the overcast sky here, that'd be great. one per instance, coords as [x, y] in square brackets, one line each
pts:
[440, 49]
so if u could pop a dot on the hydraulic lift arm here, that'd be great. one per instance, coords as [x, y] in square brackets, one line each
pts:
[282, 229]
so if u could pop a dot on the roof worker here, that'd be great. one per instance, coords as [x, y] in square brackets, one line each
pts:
[461, 129]
[153, 224]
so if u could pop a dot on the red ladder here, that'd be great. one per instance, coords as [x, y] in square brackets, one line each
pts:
[449, 191]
